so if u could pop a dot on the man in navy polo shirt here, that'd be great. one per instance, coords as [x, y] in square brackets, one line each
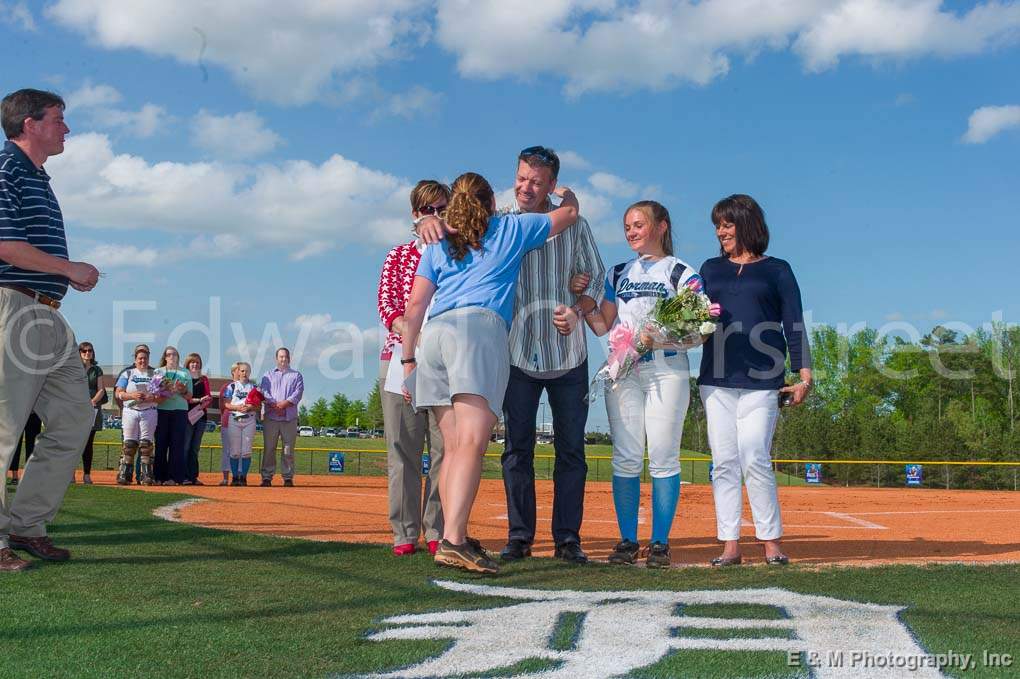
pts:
[39, 369]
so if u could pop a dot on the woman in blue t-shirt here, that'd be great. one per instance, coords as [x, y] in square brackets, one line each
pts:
[743, 372]
[462, 364]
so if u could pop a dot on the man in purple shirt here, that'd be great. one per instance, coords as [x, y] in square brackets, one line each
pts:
[282, 388]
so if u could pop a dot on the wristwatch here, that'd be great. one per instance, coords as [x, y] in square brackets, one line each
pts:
[405, 361]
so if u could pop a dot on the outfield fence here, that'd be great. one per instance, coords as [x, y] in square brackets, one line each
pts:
[949, 474]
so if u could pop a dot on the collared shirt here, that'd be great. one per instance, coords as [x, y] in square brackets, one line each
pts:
[29, 213]
[543, 284]
[283, 385]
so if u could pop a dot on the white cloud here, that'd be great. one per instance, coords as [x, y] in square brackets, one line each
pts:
[111, 256]
[598, 45]
[288, 53]
[571, 160]
[988, 121]
[17, 14]
[612, 185]
[904, 28]
[96, 104]
[417, 101]
[239, 136]
[287, 205]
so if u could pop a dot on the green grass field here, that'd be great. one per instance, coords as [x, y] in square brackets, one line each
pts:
[148, 598]
[312, 458]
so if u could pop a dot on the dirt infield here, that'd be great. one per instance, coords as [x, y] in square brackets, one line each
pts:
[822, 524]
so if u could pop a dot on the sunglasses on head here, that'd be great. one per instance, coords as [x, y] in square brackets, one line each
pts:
[540, 152]
[431, 209]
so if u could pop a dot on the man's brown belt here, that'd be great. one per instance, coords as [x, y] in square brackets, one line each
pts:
[37, 296]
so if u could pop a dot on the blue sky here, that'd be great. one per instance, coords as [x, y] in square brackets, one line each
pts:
[263, 155]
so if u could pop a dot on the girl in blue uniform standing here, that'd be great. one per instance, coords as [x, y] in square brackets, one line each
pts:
[650, 404]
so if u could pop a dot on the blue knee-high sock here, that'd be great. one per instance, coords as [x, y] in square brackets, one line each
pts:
[665, 496]
[245, 465]
[626, 498]
[235, 466]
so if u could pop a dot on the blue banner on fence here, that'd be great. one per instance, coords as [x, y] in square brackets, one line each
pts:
[426, 463]
[710, 467]
[336, 463]
[813, 472]
[914, 474]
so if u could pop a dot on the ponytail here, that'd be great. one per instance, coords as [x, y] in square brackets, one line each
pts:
[468, 212]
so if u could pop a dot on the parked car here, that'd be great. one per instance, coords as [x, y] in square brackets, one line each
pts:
[306, 431]
[330, 432]
[353, 432]
[379, 433]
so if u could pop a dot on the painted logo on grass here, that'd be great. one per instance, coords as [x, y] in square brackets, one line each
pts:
[619, 632]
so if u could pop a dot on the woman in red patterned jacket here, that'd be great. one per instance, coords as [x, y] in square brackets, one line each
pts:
[406, 430]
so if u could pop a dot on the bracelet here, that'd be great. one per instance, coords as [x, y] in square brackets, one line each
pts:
[406, 361]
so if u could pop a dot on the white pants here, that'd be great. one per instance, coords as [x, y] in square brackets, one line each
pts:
[139, 425]
[741, 423]
[241, 434]
[650, 403]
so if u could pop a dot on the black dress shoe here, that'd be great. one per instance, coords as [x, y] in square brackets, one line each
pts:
[515, 550]
[571, 552]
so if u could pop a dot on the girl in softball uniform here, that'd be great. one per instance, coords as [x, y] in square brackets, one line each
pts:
[650, 404]
[138, 419]
[241, 431]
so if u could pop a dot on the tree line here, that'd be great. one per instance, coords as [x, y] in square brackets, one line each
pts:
[340, 411]
[947, 397]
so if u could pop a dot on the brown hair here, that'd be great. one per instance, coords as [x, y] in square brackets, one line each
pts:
[656, 212]
[192, 357]
[23, 104]
[469, 211]
[162, 358]
[743, 212]
[426, 192]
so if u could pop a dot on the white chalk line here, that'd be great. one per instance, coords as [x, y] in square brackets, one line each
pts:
[172, 511]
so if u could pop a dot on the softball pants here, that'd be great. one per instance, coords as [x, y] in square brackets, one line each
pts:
[650, 404]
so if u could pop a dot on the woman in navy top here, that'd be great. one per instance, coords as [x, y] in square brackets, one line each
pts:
[743, 372]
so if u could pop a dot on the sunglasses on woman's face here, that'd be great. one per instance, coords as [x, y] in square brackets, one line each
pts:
[86, 351]
[432, 209]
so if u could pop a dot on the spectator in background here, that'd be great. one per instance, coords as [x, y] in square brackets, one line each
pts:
[242, 424]
[172, 426]
[282, 388]
[224, 422]
[94, 374]
[28, 435]
[120, 408]
[138, 419]
[201, 397]
[408, 430]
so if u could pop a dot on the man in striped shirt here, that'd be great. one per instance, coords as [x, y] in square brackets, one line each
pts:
[39, 368]
[548, 357]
